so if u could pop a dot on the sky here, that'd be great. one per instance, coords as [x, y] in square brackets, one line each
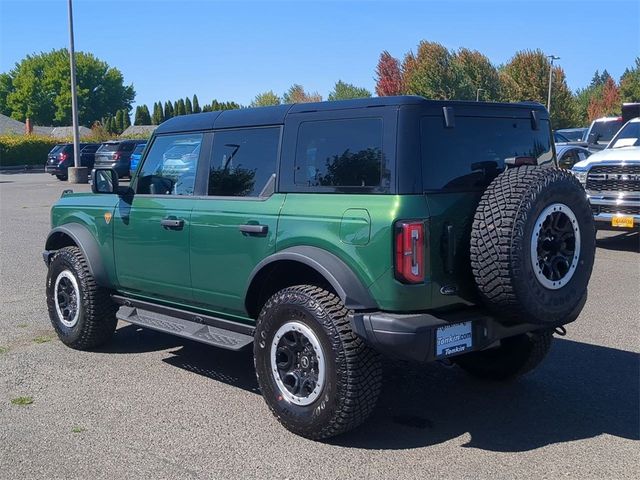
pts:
[234, 50]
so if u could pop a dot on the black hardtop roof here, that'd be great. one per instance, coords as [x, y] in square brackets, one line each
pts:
[126, 140]
[275, 115]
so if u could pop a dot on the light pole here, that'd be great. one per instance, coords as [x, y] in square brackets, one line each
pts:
[552, 58]
[478, 94]
[76, 174]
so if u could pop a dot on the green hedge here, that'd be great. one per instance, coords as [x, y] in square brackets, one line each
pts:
[25, 149]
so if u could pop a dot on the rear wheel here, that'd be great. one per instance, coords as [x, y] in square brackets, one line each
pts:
[61, 177]
[514, 357]
[82, 313]
[318, 378]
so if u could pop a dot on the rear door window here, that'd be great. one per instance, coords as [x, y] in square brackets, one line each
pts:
[170, 166]
[243, 162]
[340, 153]
[475, 151]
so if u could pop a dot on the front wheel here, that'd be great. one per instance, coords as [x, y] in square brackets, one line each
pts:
[82, 313]
[318, 378]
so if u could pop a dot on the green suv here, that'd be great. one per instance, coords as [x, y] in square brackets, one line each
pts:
[330, 235]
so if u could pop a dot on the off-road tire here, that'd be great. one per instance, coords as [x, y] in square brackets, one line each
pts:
[501, 242]
[61, 177]
[96, 320]
[352, 370]
[514, 357]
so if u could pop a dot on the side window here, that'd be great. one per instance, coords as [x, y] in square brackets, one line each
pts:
[243, 163]
[170, 166]
[339, 153]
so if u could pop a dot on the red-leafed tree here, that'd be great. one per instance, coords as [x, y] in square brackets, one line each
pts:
[389, 76]
[608, 103]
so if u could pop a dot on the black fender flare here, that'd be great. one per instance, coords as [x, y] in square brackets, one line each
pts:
[340, 276]
[83, 238]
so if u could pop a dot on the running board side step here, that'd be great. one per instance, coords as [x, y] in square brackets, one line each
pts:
[200, 328]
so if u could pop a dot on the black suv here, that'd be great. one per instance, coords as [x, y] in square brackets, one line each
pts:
[60, 158]
[116, 154]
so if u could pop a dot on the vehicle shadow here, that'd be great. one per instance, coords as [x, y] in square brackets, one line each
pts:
[580, 391]
[623, 241]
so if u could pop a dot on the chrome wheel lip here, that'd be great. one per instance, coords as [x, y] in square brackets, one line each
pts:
[573, 264]
[315, 344]
[71, 322]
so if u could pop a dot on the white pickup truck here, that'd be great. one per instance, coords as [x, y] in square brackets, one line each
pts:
[611, 179]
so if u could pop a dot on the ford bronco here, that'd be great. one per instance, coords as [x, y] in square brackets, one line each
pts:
[328, 235]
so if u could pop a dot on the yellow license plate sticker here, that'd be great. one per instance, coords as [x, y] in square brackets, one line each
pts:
[621, 221]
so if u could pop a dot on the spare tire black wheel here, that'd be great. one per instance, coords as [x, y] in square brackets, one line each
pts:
[533, 245]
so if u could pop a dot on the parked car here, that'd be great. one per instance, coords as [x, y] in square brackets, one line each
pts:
[61, 157]
[573, 134]
[559, 138]
[601, 131]
[135, 158]
[330, 234]
[116, 154]
[568, 154]
[611, 179]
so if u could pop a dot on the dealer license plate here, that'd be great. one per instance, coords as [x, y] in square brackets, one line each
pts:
[453, 339]
[621, 221]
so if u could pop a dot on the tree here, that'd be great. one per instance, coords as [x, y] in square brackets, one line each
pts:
[187, 106]
[266, 99]
[142, 115]
[479, 76]
[389, 79]
[345, 91]
[168, 110]
[584, 97]
[607, 104]
[526, 77]
[630, 84]
[126, 120]
[6, 86]
[176, 109]
[181, 109]
[119, 126]
[434, 74]
[39, 89]
[158, 114]
[296, 94]
[196, 105]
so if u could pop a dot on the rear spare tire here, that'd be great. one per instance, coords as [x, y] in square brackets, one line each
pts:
[533, 244]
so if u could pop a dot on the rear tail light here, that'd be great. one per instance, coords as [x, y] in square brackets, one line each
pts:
[62, 157]
[116, 156]
[410, 245]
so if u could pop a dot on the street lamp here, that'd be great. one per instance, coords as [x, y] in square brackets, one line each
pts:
[478, 94]
[77, 174]
[552, 58]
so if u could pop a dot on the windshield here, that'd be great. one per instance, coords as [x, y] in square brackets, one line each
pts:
[628, 136]
[605, 130]
[574, 135]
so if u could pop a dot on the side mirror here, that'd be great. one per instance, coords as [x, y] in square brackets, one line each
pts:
[593, 138]
[104, 180]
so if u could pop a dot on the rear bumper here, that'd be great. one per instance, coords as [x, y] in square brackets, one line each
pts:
[56, 169]
[413, 336]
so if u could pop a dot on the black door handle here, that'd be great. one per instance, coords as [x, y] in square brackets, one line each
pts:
[251, 229]
[172, 223]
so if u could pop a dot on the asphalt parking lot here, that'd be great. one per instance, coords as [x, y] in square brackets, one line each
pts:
[149, 405]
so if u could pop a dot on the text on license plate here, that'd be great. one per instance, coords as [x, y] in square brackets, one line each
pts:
[622, 222]
[454, 338]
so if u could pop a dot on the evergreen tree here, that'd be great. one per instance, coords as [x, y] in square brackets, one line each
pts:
[137, 120]
[168, 110]
[126, 120]
[187, 106]
[176, 110]
[119, 126]
[196, 105]
[266, 99]
[181, 110]
[346, 91]
[145, 117]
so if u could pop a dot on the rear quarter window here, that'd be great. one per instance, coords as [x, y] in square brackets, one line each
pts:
[341, 153]
[475, 151]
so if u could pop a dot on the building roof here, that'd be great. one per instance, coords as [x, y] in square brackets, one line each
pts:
[67, 132]
[138, 130]
[9, 125]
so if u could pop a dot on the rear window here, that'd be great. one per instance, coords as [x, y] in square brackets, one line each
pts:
[109, 147]
[606, 130]
[474, 152]
[56, 149]
[340, 153]
[127, 147]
